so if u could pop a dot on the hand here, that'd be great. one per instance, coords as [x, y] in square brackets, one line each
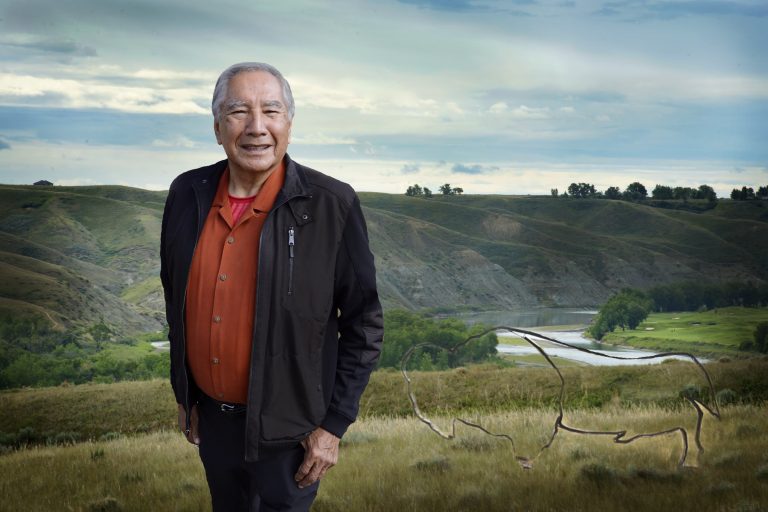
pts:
[192, 435]
[321, 452]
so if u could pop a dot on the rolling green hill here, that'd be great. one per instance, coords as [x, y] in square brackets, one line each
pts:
[76, 256]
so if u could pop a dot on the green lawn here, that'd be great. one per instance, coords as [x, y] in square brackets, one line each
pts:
[715, 332]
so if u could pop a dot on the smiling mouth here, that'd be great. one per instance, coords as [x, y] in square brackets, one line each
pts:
[256, 148]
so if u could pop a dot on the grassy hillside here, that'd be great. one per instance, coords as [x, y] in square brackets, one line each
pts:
[567, 252]
[80, 254]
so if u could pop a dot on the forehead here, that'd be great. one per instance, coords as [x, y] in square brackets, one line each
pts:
[255, 84]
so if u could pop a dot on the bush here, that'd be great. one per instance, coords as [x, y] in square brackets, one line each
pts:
[442, 338]
[726, 396]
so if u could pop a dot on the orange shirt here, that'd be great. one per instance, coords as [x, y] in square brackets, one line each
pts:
[221, 293]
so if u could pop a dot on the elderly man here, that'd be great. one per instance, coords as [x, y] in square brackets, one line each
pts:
[270, 288]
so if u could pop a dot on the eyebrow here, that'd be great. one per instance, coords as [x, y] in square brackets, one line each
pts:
[231, 104]
[272, 103]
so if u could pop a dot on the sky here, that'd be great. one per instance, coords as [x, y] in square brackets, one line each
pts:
[507, 97]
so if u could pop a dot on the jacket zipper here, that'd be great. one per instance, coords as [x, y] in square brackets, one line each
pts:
[291, 243]
[249, 404]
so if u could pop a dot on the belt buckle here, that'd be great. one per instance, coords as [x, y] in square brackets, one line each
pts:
[227, 408]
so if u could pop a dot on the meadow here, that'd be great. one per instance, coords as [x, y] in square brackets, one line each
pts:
[716, 332]
[123, 453]
[397, 464]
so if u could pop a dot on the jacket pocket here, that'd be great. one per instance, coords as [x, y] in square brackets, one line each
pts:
[294, 405]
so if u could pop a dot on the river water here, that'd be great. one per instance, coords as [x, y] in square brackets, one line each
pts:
[541, 320]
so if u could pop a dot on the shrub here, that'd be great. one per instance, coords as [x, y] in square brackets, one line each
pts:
[726, 396]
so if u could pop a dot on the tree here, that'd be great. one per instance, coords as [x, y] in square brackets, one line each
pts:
[706, 192]
[427, 192]
[683, 193]
[745, 194]
[553, 192]
[762, 192]
[662, 192]
[446, 189]
[457, 191]
[582, 190]
[635, 191]
[414, 190]
[612, 193]
[626, 309]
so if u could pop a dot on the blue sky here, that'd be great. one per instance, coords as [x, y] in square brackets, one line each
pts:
[512, 97]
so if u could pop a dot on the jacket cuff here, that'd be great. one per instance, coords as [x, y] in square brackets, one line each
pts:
[335, 423]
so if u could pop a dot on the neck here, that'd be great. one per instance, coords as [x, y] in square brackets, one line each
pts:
[248, 184]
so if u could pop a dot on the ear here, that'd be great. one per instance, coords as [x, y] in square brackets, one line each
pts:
[216, 131]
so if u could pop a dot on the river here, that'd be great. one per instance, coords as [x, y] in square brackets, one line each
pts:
[541, 320]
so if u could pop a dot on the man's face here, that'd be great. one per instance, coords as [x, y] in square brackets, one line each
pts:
[253, 124]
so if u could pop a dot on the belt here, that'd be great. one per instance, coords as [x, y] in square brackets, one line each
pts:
[225, 407]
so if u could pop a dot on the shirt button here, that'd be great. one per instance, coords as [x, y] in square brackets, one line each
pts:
[217, 319]
[231, 240]
[223, 277]
[215, 360]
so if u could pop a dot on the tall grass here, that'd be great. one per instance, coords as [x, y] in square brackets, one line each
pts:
[397, 464]
[93, 410]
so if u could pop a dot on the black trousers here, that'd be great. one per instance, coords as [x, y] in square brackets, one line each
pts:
[236, 485]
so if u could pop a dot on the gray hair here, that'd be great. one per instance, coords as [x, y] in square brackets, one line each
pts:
[222, 84]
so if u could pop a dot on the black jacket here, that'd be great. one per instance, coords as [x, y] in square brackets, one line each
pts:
[318, 322]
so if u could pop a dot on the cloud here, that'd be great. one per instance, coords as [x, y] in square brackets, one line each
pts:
[42, 44]
[523, 112]
[444, 5]
[632, 10]
[498, 108]
[75, 182]
[177, 142]
[322, 139]
[31, 90]
[410, 169]
[473, 169]
[4, 145]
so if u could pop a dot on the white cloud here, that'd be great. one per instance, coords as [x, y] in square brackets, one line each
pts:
[75, 182]
[523, 112]
[498, 108]
[177, 142]
[28, 90]
[322, 139]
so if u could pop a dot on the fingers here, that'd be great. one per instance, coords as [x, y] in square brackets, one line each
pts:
[321, 454]
[310, 472]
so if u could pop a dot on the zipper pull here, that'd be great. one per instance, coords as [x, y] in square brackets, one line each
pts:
[291, 241]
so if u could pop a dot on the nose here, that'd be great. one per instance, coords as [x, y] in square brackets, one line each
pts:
[255, 126]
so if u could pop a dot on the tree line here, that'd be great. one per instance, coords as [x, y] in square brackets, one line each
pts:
[445, 189]
[628, 308]
[405, 330]
[749, 194]
[34, 354]
[636, 191]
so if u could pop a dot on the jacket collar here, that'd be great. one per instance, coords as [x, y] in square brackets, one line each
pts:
[295, 186]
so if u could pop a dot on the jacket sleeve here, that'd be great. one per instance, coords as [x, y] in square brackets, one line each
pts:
[165, 278]
[361, 323]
